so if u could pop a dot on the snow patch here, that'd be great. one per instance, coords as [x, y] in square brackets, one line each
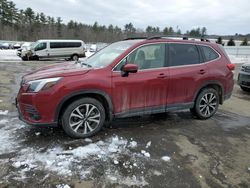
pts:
[136, 181]
[146, 154]
[166, 158]
[148, 144]
[87, 140]
[3, 121]
[132, 144]
[62, 186]
[5, 112]
[8, 141]
[64, 162]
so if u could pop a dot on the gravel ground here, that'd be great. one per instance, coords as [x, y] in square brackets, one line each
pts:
[164, 150]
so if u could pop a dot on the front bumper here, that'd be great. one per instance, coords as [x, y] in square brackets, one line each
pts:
[244, 79]
[30, 115]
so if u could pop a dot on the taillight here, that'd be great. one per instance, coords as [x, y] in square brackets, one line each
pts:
[231, 66]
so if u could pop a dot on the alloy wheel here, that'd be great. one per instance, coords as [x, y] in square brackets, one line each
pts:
[84, 119]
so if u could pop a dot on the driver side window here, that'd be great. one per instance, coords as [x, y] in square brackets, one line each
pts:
[41, 46]
[146, 57]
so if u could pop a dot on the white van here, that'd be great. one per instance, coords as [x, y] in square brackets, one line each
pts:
[68, 49]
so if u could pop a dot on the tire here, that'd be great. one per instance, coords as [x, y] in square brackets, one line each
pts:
[75, 57]
[83, 118]
[245, 88]
[206, 104]
[25, 58]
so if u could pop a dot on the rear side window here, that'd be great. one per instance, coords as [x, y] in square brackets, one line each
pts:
[65, 44]
[209, 53]
[183, 54]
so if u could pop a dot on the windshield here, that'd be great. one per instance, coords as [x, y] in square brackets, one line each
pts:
[33, 45]
[107, 55]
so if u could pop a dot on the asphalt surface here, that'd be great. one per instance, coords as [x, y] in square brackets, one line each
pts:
[163, 150]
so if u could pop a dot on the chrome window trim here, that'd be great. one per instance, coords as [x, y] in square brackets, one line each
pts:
[177, 42]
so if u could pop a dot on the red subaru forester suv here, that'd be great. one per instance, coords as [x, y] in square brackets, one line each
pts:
[127, 78]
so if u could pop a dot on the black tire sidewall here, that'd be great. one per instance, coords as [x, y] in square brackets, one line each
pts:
[75, 55]
[71, 107]
[197, 103]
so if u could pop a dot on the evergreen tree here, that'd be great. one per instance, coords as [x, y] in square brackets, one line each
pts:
[244, 42]
[231, 42]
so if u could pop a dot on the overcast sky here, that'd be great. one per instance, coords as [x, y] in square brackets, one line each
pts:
[219, 16]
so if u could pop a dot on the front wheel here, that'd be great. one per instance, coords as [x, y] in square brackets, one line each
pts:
[206, 104]
[83, 118]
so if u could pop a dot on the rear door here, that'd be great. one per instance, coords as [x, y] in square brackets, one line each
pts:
[146, 90]
[186, 73]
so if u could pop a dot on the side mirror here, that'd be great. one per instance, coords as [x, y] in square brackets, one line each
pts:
[129, 68]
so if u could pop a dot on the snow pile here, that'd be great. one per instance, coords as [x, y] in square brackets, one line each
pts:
[5, 112]
[9, 55]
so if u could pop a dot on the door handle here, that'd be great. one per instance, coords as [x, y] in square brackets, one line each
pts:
[202, 71]
[162, 75]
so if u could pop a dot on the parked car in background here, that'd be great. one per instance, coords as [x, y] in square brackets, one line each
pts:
[244, 77]
[72, 49]
[16, 46]
[4, 46]
[127, 78]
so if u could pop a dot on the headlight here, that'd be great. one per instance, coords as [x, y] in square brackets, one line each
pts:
[43, 84]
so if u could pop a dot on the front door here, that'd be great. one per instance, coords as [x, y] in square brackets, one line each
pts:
[144, 91]
[41, 49]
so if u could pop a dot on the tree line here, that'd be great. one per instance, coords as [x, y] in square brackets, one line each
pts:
[28, 25]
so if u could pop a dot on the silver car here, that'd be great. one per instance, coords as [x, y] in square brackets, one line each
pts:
[244, 77]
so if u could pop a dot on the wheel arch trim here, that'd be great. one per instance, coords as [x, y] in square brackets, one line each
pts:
[205, 84]
[85, 92]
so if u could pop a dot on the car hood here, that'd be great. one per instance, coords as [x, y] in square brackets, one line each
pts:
[57, 70]
[246, 64]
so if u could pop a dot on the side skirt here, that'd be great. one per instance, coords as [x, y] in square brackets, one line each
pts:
[153, 110]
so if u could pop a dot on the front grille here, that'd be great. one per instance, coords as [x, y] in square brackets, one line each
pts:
[244, 76]
[33, 113]
[245, 83]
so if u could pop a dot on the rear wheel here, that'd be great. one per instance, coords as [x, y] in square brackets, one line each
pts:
[206, 104]
[245, 88]
[83, 118]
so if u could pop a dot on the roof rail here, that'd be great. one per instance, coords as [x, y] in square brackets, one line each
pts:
[166, 37]
[135, 38]
[156, 37]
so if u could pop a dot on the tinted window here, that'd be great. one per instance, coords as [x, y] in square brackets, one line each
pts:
[183, 54]
[209, 53]
[41, 46]
[65, 44]
[146, 57]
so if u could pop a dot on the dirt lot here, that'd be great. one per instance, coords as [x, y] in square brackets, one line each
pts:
[165, 150]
